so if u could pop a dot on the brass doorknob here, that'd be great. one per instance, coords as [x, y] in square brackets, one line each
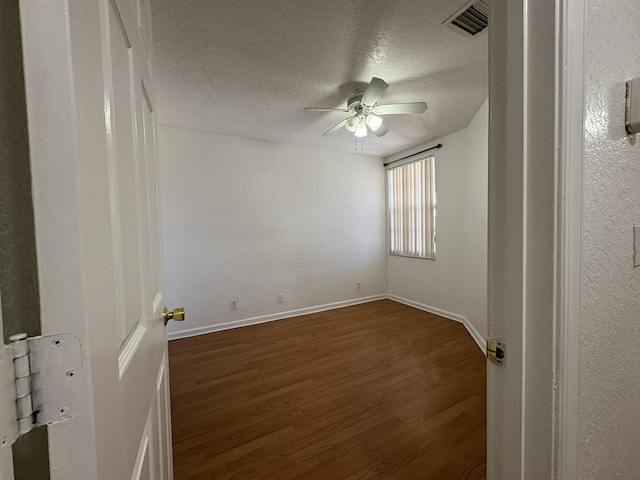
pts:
[176, 315]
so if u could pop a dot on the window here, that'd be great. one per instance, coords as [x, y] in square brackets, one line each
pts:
[412, 208]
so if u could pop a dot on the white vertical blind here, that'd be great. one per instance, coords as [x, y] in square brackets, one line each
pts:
[412, 208]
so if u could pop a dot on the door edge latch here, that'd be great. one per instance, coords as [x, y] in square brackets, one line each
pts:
[496, 351]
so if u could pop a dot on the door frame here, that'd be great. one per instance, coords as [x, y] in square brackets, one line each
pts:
[535, 219]
[47, 52]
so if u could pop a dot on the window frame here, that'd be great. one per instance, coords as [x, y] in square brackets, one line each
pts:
[433, 208]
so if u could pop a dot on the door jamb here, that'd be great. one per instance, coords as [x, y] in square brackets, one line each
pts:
[560, 335]
[570, 21]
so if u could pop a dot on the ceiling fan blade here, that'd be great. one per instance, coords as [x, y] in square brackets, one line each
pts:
[336, 128]
[320, 109]
[374, 91]
[401, 108]
[381, 131]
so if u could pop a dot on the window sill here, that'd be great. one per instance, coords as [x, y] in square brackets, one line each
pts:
[411, 256]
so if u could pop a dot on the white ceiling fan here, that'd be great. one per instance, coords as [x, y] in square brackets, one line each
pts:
[365, 112]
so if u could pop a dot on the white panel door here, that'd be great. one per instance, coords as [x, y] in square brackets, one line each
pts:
[96, 200]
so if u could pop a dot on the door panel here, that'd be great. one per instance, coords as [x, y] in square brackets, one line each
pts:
[152, 251]
[154, 440]
[142, 468]
[131, 120]
[154, 454]
[163, 424]
[144, 24]
[124, 179]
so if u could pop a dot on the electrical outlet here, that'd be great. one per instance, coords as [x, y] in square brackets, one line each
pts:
[281, 298]
[358, 285]
[233, 304]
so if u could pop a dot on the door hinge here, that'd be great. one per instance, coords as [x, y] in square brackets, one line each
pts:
[496, 351]
[39, 380]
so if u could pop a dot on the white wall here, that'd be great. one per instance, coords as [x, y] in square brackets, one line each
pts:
[476, 181]
[247, 219]
[609, 411]
[437, 283]
[456, 281]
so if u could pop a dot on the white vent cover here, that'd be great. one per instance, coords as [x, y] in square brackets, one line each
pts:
[472, 17]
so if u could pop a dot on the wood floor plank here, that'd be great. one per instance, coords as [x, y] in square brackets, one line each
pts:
[378, 390]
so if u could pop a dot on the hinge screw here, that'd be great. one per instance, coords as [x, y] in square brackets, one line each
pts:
[57, 342]
[71, 374]
[64, 410]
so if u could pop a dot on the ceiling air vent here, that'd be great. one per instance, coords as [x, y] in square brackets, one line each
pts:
[472, 18]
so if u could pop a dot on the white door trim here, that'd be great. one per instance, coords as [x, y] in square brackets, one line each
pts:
[569, 260]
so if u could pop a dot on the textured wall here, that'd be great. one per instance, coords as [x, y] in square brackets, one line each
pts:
[609, 415]
[457, 280]
[18, 273]
[249, 219]
[18, 269]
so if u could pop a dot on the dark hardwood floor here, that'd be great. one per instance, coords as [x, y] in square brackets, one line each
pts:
[378, 390]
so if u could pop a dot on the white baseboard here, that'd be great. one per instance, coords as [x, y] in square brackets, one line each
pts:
[428, 308]
[191, 332]
[479, 339]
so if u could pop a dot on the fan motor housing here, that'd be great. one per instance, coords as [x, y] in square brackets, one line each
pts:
[356, 99]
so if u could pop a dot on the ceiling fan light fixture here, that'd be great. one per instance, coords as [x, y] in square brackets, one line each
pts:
[373, 121]
[361, 130]
[365, 111]
[353, 123]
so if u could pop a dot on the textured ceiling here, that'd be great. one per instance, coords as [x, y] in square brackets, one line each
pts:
[249, 67]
